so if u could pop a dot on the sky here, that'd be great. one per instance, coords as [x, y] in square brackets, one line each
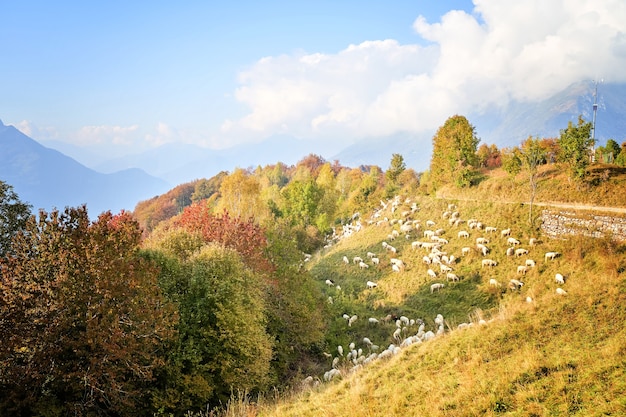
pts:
[127, 76]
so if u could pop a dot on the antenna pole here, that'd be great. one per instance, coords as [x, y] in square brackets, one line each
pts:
[593, 124]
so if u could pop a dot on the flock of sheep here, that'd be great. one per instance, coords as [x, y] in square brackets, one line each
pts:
[438, 264]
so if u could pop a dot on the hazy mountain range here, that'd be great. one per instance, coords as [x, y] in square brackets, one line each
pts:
[48, 178]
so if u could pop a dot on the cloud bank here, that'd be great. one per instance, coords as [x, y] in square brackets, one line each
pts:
[524, 50]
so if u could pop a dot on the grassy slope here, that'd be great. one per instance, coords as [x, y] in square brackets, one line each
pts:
[559, 355]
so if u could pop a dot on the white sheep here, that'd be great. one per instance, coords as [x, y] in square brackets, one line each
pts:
[451, 276]
[329, 283]
[373, 320]
[561, 291]
[533, 241]
[395, 268]
[371, 285]
[505, 232]
[551, 255]
[357, 259]
[483, 249]
[363, 265]
[346, 260]
[482, 240]
[375, 261]
[436, 287]
[513, 241]
[491, 229]
[431, 273]
[515, 284]
[510, 251]
[463, 234]
[371, 255]
[489, 262]
[494, 282]
[522, 269]
[465, 250]
[559, 278]
[521, 251]
[352, 320]
[531, 263]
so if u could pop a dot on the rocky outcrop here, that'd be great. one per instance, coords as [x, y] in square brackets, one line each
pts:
[557, 223]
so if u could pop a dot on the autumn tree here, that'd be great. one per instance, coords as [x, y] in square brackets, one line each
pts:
[244, 236]
[621, 158]
[574, 144]
[301, 199]
[512, 161]
[13, 216]
[240, 195]
[84, 324]
[454, 152]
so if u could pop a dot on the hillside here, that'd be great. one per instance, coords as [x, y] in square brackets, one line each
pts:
[525, 352]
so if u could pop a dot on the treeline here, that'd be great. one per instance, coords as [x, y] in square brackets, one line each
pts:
[202, 290]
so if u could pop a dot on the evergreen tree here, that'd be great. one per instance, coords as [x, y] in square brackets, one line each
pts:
[574, 148]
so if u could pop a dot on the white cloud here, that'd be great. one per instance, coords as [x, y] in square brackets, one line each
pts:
[105, 134]
[39, 133]
[522, 50]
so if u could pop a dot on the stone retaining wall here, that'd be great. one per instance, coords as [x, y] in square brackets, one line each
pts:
[559, 222]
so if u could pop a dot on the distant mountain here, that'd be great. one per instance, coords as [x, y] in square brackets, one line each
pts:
[46, 178]
[515, 123]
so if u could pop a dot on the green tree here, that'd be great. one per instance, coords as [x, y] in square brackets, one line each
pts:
[574, 144]
[84, 325]
[396, 167]
[454, 152]
[613, 149]
[301, 199]
[621, 158]
[511, 161]
[13, 216]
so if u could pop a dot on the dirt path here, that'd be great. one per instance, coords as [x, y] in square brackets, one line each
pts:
[571, 206]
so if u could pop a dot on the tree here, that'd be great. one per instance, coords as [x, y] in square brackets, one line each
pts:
[13, 216]
[396, 168]
[621, 158]
[301, 200]
[575, 143]
[240, 196]
[454, 152]
[511, 161]
[532, 155]
[613, 149]
[84, 324]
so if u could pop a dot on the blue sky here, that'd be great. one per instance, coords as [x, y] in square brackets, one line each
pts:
[127, 76]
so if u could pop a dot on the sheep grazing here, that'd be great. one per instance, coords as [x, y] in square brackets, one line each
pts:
[373, 320]
[375, 261]
[559, 278]
[357, 259]
[482, 241]
[515, 284]
[533, 241]
[489, 262]
[436, 287]
[521, 251]
[494, 282]
[431, 273]
[551, 255]
[561, 291]
[505, 232]
[463, 234]
[530, 263]
[371, 285]
[510, 251]
[395, 268]
[329, 283]
[450, 276]
[513, 241]
[352, 320]
[363, 265]
[522, 269]
[371, 255]
[346, 260]
[466, 250]
[491, 229]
